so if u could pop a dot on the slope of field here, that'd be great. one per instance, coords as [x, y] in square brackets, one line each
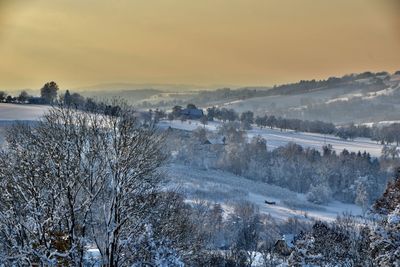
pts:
[276, 102]
[226, 189]
[18, 112]
[338, 105]
[21, 112]
[276, 138]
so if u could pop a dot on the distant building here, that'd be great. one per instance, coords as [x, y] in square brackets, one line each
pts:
[214, 141]
[207, 142]
[192, 113]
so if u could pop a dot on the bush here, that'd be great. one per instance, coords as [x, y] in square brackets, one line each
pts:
[319, 194]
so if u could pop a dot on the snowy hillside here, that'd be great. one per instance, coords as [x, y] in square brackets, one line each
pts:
[226, 189]
[21, 112]
[17, 112]
[276, 138]
[358, 98]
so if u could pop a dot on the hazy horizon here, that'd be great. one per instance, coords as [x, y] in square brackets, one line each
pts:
[206, 44]
[169, 87]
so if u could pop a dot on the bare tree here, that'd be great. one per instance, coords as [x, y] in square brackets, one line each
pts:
[246, 221]
[78, 179]
[51, 176]
[132, 156]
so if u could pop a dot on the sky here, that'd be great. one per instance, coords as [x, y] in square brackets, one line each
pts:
[206, 42]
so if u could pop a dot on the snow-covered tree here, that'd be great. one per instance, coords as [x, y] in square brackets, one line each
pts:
[79, 179]
[323, 246]
[245, 224]
[319, 194]
[385, 240]
[390, 199]
[385, 245]
[147, 249]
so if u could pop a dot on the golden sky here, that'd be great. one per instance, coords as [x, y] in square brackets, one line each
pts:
[205, 42]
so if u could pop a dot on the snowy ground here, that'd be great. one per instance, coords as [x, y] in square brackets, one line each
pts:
[276, 138]
[18, 112]
[21, 112]
[227, 189]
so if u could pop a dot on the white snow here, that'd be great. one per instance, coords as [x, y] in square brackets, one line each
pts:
[188, 125]
[394, 217]
[380, 123]
[337, 99]
[384, 92]
[276, 138]
[226, 189]
[21, 111]
[92, 257]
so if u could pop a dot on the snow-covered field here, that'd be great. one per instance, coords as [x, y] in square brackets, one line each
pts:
[276, 138]
[380, 123]
[15, 112]
[261, 104]
[225, 188]
[21, 112]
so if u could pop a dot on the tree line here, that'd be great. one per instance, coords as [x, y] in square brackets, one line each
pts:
[322, 176]
[48, 95]
[386, 134]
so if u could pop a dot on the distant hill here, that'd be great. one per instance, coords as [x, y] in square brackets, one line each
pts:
[134, 93]
[139, 86]
[130, 95]
[361, 98]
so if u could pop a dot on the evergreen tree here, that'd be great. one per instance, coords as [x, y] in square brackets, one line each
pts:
[67, 98]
